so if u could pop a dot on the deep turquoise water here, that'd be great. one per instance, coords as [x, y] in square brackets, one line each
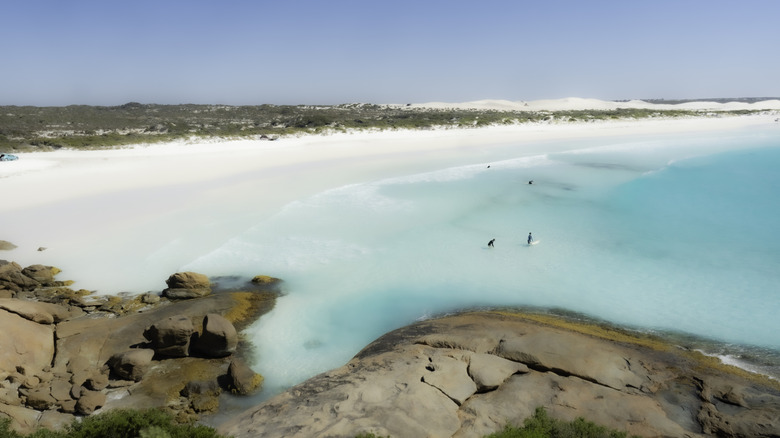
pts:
[675, 235]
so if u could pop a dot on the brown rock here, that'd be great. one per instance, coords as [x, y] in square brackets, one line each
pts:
[219, 337]
[24, 342]
[40, 399]
[414, 382]
[68, 406]
[186, 285]
[447, 372]
[171, 336]
[11, 277]
[61, 390]
[6, 245]
[265, 280]
[132, 364]
[243, 379]
[96, 382]
[42, 313]
[10, 396]
[489, 372]
[40, 273]
[90, 401]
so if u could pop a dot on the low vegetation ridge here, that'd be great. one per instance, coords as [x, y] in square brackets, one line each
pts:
[29, 128]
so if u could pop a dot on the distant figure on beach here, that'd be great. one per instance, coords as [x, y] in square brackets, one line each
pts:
[530, 238]
[531, 182]
[490, 244]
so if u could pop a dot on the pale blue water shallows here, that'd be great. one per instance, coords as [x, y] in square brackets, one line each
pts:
[676, 235]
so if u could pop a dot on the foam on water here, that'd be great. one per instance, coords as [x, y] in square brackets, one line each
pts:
[669, 234]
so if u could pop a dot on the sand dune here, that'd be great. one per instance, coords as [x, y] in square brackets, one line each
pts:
[576, 103]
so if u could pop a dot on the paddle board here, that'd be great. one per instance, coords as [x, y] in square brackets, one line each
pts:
[533, 242]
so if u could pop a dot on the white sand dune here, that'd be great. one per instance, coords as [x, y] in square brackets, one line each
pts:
[125, 219]
[575, 103]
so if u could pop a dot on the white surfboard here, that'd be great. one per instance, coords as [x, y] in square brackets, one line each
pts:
[533, 242]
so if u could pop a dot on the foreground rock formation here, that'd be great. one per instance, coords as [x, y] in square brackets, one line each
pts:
[66, 353]
[469, 375]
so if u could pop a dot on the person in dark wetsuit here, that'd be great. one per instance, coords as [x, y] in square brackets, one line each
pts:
[530, 238]
[490, 244]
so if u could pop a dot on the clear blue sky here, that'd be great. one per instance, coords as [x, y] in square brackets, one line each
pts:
[109, 52]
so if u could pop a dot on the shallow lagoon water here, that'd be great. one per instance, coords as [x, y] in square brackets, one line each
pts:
[669, 234]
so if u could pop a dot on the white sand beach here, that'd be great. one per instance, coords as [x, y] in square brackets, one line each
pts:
[124, 219]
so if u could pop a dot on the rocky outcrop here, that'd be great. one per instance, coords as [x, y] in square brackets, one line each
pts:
[468, 375]
[218, 338]
[186, 285]
[68, 353]
[242, 380]
[131, 364]
[171, 336]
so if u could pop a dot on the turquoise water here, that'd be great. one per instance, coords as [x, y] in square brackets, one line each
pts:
[675, 235]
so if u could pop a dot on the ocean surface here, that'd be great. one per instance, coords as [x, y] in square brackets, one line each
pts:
[675, 235]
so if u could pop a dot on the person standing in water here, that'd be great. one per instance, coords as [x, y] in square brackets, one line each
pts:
[530, 238]
[490, 244]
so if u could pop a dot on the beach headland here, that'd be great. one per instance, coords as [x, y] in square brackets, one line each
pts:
[66, 353]
[468, 375]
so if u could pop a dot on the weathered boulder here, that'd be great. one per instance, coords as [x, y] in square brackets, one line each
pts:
[61, 390]
[218, 339]
[6, 245]
[587, 358]
[265, 280]
[185, 285]
[40, 399]
[171, 336]
[10, 395]
[42, 313]
[90, 401]
[96, 381]
[447, 371]
[12, 278]
[489, 371]
[203, 395]
[40, 273]
[243, 380]
[25, 343]
[150, 298]
[132, 364]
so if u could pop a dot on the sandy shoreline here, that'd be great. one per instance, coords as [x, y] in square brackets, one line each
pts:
[129, 217]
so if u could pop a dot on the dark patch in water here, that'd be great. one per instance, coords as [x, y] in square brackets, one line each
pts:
[610, 166]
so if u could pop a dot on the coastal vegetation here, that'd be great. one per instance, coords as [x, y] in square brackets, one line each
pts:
[130, 423]
[541, 425]
[27, 128]
[155, 423]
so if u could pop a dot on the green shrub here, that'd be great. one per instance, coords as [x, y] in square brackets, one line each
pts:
[542, 426]
[148, 423]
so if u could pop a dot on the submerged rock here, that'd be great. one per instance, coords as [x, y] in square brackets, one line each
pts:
[6, 245]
